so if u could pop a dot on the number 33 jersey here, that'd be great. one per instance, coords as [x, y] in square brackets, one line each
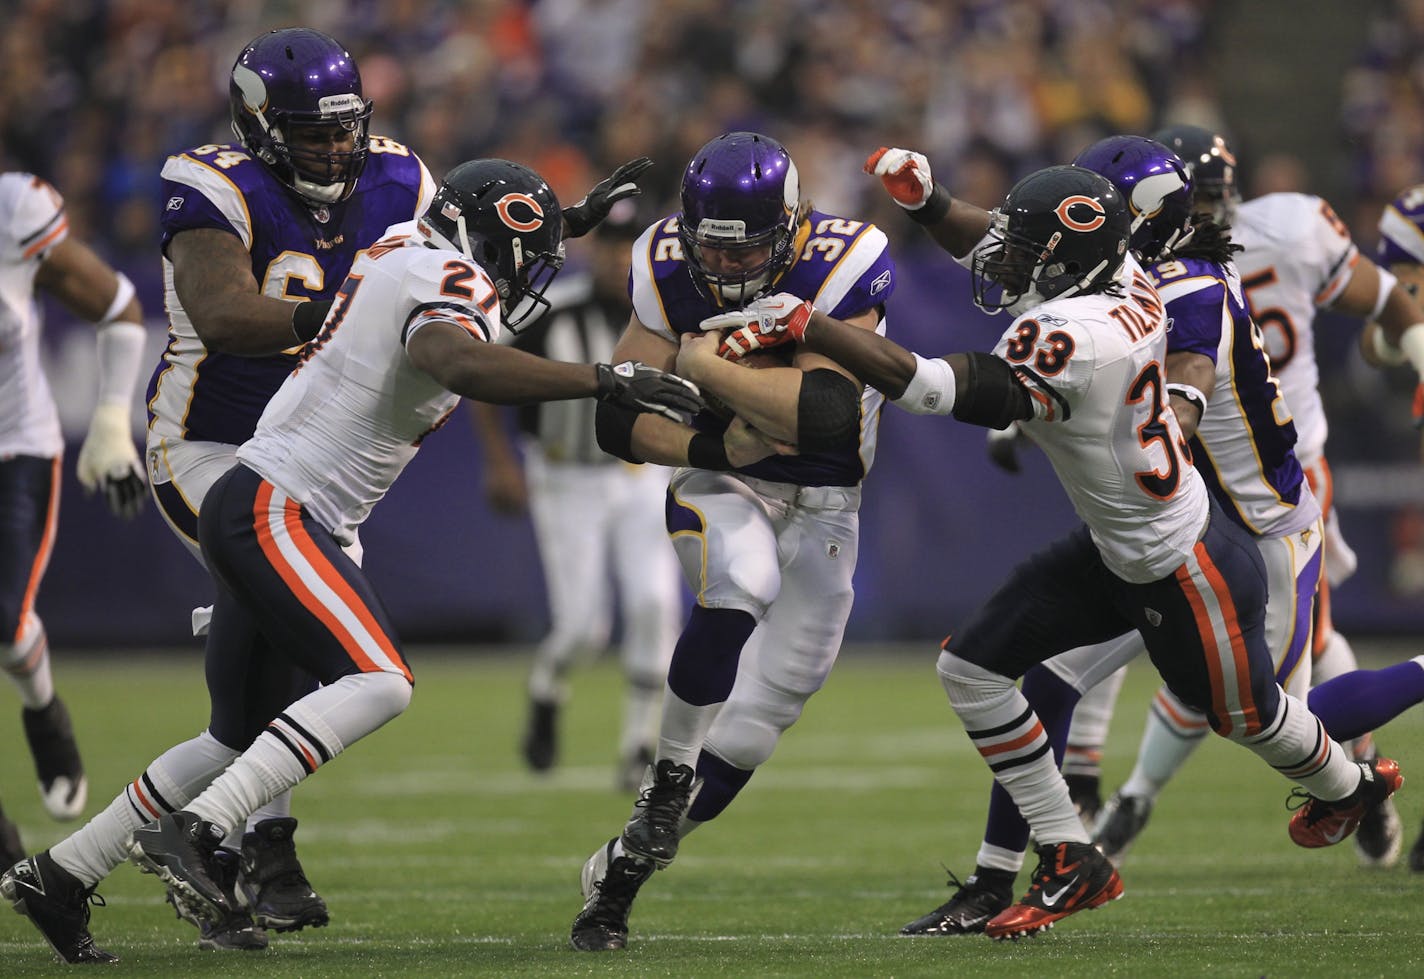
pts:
[1093, 365]
[297, 253]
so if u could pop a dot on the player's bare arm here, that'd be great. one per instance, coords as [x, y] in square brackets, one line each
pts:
[83, 282]
[1191, 380]
[770, 398]
[955, 224]
[1388, 303]
[212, 273]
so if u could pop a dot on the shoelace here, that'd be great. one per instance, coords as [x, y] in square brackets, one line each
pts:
[663, 802]
[611, 908]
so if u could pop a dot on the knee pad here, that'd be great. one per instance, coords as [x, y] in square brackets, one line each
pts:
[971, 686]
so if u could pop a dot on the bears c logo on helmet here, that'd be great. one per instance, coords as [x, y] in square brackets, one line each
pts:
[1092, 221]
[504, 207]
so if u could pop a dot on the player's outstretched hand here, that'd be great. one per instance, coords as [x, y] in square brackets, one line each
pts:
[643, 388]
[766, 322]
[587, 214]
[905, 174]
[109, 463]
[1002, 445]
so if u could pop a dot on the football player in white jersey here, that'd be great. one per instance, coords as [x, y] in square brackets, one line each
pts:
[598, 520]
[37, 253]
[1296, 257]
[410, 332]
[768, 548]
[1081, 368]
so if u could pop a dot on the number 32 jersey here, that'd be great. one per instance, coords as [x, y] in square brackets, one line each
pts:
[297, 253]
[842, 266]
[1093, 365]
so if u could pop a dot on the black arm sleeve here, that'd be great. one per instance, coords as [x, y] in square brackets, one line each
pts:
[613, 425]
[828, 411]
[992, 394]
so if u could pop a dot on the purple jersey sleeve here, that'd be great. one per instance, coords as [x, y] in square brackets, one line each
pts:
[1194, 293]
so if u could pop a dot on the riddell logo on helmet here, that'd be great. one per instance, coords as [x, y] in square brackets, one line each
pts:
[504, 208]
[1092, 221]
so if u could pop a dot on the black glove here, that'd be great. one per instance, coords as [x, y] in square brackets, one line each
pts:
[1002, 446]
[586, 215]
[125, 494]
[308, 318]
[643, 388]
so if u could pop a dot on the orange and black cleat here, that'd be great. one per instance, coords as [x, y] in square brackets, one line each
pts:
[1320, 823]
[1070, 877]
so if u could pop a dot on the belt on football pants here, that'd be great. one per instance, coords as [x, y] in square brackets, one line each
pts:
[807, 497]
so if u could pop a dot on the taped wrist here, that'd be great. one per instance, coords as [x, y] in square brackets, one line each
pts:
[123, 295]
[706, 451]
[827, 412]
[992, 394]
[931, 391]
[933, 210]
[119, 347]
[613, 427]
[1412, 345]
[308, 317]
[1190, 394]
[1387, 282]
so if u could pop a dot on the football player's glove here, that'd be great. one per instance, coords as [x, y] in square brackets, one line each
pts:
[108, 461]
[1002, 444]
[905, 174]
[583, 217]
[767, 322]
[643, 388]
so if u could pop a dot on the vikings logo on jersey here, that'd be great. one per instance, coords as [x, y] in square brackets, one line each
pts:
[298, 253]
[843, 266]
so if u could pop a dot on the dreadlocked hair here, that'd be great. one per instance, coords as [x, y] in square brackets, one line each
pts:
[1210, 240]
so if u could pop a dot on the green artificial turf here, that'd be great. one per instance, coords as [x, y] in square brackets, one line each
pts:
[439, 855]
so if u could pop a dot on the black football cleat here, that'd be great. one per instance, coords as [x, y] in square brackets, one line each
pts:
[276, 887]
[1318, 822]
[1070, 877]
[50, 734]
[236, 932]
[609, 886]
[540, 746]
[984, 894]
[1084, 790]
[181, 849]
[652, 833]
[12, 851]
[58, 905]
[1119, 824]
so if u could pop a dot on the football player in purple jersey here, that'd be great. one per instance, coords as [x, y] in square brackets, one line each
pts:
[767, 540]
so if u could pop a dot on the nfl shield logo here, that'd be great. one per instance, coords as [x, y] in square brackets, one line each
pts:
[833, 549]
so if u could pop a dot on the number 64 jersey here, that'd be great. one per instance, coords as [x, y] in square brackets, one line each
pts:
[1094, 366]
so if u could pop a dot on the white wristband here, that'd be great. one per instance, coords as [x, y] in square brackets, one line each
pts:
[123, 295]
[1189, 393]
[119, 346]
[1385, 352]
[1412, 344]
[1387, 282]
[931, 391]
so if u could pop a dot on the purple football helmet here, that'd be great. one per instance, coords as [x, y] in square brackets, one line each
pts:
[740, 194]
[1211, 164]
[1154, 182]
[300, 77]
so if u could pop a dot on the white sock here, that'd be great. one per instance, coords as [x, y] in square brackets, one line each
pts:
[642, 714]
[1295, 744]
[173, 778]
[26, 663]
[302, 738]
[1089, 730]
[1011, 738]
[1172, 732]
[684, 728]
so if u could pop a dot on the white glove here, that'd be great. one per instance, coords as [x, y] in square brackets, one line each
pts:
[763, 323]
[905, 174]
[109, 462]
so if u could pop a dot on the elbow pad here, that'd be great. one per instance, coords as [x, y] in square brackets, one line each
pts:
[613, 425]
[827, 412]
[992, 395]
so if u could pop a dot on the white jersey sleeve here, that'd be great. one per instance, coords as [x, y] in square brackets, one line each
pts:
[1297, 256]
[32, 223]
